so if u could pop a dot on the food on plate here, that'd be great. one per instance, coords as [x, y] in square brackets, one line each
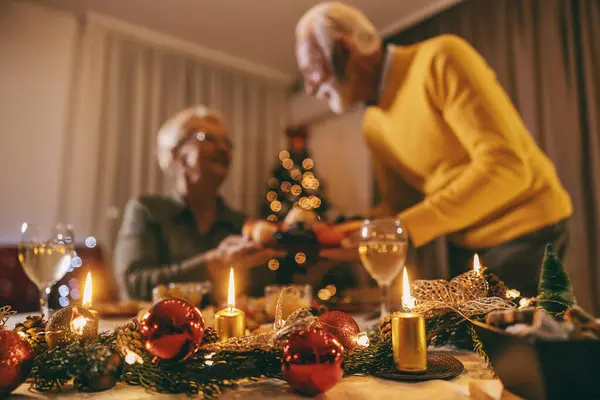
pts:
[263, 231]
[298, 215]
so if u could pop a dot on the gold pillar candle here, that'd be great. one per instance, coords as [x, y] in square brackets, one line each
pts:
[409, 342]
[230, 322]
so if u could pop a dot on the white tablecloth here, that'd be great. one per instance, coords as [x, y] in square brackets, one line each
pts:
[475, 383]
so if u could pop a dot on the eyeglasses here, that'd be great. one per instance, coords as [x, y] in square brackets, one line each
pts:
[205, 137]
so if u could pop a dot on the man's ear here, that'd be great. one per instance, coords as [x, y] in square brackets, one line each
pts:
[340, 55]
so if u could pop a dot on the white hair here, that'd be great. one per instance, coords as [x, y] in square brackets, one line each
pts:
[172, 131]
[326, 20]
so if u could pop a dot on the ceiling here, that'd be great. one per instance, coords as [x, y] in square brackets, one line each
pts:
[259, 31]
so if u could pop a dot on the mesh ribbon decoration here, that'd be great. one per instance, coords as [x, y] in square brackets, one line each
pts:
[465, 294]
[5, 314]
[298, 320]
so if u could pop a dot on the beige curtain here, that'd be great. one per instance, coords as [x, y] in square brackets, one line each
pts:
[546, 54]
[126, 89]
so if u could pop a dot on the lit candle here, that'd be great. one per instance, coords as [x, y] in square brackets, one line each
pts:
[408, 334]
[87, 296]
[230, 322]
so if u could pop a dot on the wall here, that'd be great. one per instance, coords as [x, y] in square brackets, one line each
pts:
[37, 48]
[341, 156]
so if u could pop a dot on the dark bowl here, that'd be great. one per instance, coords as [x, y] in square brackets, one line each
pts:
[543, 369]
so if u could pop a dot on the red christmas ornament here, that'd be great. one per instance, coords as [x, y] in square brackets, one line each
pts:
[341, 326]
[172, 329]
[312, 361]
[16, 361]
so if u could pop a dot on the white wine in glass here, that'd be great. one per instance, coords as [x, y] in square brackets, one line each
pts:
[45, 257]
[383, 247]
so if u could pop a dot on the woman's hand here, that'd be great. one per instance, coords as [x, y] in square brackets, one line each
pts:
[238, 252]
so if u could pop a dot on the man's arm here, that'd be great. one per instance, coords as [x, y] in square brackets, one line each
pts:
[137, 259]
[479, 113]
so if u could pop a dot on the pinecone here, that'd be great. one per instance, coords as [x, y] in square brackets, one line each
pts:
[33, 329]
[130, 339]
[386, 328]
[210, 336]
[497, 287]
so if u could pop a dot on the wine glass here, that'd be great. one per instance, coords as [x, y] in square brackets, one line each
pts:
[45, 254]
[382, 248]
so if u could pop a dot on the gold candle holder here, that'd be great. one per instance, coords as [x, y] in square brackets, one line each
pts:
[230, 322]
[409, 342]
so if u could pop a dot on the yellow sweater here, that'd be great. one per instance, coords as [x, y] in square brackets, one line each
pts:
[446, 127]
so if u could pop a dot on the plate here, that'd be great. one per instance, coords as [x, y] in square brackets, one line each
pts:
[439, 366]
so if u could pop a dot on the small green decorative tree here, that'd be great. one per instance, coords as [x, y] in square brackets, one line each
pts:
[555, 293]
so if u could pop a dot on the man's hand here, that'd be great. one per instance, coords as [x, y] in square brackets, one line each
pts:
[238, 252]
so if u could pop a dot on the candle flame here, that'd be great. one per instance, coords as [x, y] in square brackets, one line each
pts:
[231, 293]
[476, 263]
[408, 302]
[87, 291]
[78, 322]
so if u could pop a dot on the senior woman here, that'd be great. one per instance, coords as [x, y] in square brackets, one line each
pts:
[191, 235]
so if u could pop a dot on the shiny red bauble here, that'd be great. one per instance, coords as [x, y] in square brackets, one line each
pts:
[312, 361]
[341, 326]
[16, 361]
[172, 329]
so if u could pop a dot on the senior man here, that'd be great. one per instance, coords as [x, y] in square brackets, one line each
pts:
[438, 121]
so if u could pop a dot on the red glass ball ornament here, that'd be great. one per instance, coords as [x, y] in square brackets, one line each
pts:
[341, 326]
[312, 361]
[16, 361]
[172, 329]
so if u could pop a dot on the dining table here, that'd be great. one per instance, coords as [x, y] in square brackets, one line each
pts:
[476, 382]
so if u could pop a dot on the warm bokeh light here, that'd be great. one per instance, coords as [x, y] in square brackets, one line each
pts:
[296, 174]
[285, 186]
[300, 258]
[273, 183]
[78, 322]
[287, 163]
[324, 294]
[296, 190]
[284, 155]
[276, 206]
[308, 163]
[272, 218]
[271, 195]
[273, 265]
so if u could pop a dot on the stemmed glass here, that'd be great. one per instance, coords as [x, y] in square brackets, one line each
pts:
[45, 254]
[382, 248]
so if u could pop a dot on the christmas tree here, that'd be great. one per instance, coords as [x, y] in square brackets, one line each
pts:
[555, 293]
[294, 183]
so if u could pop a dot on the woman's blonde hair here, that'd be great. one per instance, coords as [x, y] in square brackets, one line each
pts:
[172, 131]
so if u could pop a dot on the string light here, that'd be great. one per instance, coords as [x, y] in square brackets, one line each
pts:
[271, 196]
[308, 175]
[308, 163]
[296, 190]
[300, 258]
[284, 155]
[285, 186]
[296, 174]
[287, 163]
[272, 218]
[324, 294]
[276, 206]
[273, 183]
[273, 265]
[332, 289]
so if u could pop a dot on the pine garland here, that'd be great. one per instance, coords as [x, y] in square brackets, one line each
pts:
[478, 348]
[59, 365]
